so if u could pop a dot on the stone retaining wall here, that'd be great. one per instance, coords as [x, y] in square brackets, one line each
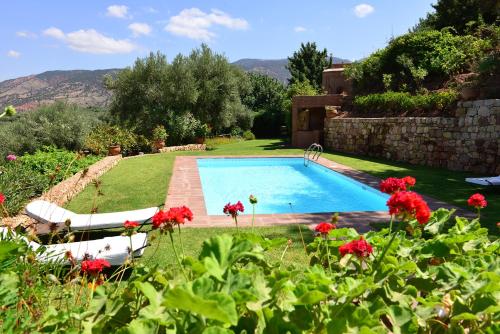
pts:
[189, 147]
[468, 142]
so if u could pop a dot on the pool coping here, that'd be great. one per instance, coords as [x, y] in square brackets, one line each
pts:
[185, 189]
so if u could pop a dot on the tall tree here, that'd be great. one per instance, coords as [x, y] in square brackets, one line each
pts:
[461, 14]
[308, 63]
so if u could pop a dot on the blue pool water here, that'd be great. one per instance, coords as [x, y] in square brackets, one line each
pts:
[276, 182]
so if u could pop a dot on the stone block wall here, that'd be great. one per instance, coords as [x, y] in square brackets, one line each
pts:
[470, 141]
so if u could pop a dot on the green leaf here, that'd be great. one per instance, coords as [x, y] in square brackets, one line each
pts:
[311, 297]
[215, 305]
[217, 330]
[154, 297]
[142, 326]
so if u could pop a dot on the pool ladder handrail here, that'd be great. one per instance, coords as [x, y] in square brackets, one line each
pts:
[315, 149]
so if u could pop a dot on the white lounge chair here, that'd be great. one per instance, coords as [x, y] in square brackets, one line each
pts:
[484, 181]
[113, 249]
[47, 212]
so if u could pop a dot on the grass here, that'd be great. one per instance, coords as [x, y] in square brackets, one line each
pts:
[142, 182]
[160, 251]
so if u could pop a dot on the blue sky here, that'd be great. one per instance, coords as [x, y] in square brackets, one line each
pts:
[49, 35]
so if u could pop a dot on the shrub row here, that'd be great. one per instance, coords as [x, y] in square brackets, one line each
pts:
[32, 174]
[395, 102]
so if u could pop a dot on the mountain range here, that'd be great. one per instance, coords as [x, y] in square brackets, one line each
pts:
[85, 87]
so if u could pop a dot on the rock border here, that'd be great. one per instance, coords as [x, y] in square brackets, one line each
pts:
[189, 147]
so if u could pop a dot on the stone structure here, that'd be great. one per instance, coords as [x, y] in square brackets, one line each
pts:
[308, 112]
[470, 141]
[188, 147]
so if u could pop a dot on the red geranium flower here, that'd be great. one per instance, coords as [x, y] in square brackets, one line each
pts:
[2, 198]
[232, 209]
[130, 225]
[324, 228]
[409, 180]
[94, 267]
[392, 185]
[408, 204]
[361, 248]
[177, 215]
[478, 201]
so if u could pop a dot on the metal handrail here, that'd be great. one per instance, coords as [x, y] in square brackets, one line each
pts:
[316, 150]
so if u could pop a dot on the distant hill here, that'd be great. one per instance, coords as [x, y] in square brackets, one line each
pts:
[85, 88]
[82, 87]
[275, 68]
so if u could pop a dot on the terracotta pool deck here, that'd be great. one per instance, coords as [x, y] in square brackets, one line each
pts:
[185, 189]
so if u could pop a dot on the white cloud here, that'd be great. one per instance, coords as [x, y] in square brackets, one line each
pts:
[299, 29]
[13, 54]
[119, 11]
[363, 10]
[140, 29]
[195, 24]
[151, 10]
[25, 34]
[91, 41]
[54, 32]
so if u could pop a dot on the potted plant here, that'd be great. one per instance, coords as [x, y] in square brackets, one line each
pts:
[159, 137]
[201, 133]
[114, 149]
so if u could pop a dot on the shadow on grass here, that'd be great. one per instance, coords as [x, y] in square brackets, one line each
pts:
[277, 145]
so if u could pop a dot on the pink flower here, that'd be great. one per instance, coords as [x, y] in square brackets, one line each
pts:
[11, 157]
[2, 198]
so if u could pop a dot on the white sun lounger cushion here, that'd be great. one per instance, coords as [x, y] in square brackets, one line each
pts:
[485, 181]
[113, 249]
[48, 212]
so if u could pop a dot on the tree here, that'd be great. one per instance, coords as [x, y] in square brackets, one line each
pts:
[266, 99]
[461, 14]
[202, 88]
[308, 64]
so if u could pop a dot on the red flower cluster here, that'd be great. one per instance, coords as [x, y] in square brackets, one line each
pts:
[2, 198]
[324, 228]
[361, 248]
[410, 181]
[177, 215]
[408, 204]
[94, 267]
[232, 209]
[478, 201]
[392, 185]
[130, 225]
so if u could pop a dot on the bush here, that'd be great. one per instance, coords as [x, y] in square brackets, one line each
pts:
[19, 183]
[182, 128]
[394, 102]
[248, 135]
[236, 132]
[60, 125]
[58, 163]
[416, 59]
[103, 136]
[159, 133]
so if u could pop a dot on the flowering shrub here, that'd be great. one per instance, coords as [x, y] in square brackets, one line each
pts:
[324, 228]
[442, 280]
[94, 267]
[477, 201]
[407, 204]
[11, 157]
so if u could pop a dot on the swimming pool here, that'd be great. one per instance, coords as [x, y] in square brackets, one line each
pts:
[283, 185]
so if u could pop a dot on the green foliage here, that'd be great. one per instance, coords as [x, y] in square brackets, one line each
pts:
[159, 133]
[441, 277]
[19, 183]
[414, 59]
[266, 99]
[203, 86]
[60, 125]
[394, 102]
[308, 63]
[103, 136]
[59, 163]
[202, 131]
[183, 128]
[461, 15]
[248, 135]
[9, 111]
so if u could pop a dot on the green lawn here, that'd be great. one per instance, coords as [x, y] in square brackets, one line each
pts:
[160, 251]
[142, 182]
